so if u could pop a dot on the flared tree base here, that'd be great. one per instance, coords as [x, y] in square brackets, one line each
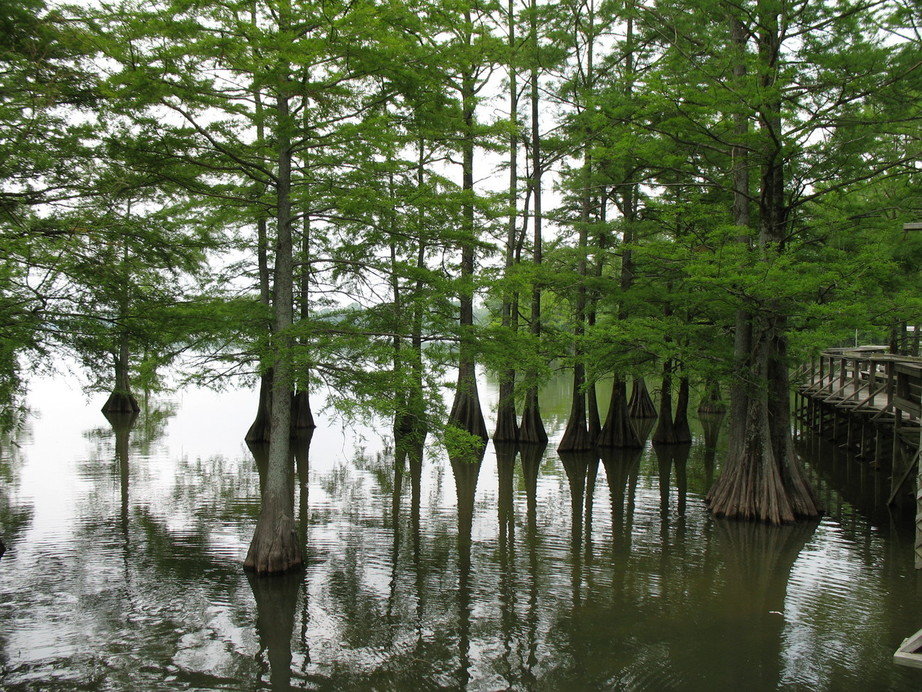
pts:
[618, 431]
[259, 429]
[275, 548]
[665, 433]
[752, 486]
[712, 402]
[641, 403]
[121, 402]
[302, 418]
[466, 414]
[576, 437]
[507, 429]
[532, 431]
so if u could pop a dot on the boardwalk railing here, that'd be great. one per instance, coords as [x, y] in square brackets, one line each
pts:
[870, 401]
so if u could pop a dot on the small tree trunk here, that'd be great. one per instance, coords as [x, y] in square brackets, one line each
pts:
[507, 429]
[665, 429]
[259, 429]
[681, 428]
[712, 402]
[121, 400]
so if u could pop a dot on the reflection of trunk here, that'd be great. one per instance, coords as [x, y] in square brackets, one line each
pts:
[301, 442]
[664, 458]
[641, 403]
[276, 602]
[121, 425]
[465, 411]
[505, 471]
[121, 400]
[275, 547]
[532, 454]
[465, 472]
[665, 429]
[592, 474]
[758, 560]
[576, 466]
[620, 467]
[619, 429]
[710, 424]
[415, 449]
[532, 428]
[680, 454]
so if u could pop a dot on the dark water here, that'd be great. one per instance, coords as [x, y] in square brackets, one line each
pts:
[124, 552]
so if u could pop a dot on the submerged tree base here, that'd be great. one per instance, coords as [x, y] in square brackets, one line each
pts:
[531, 430]
[759, 485]
[302, 418]
[618, 430]
[275, 548]
[466, 413]
[121, 402]
[641, 403]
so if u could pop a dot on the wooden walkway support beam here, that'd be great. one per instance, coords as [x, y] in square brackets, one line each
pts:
[870, 401]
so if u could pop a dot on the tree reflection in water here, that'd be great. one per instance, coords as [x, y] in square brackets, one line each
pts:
[505, 584]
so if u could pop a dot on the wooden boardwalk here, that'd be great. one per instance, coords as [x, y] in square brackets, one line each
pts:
[870, 401]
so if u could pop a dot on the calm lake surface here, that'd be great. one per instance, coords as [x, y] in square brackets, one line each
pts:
[123, 567]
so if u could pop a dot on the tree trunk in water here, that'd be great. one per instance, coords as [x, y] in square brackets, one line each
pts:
[121, 400]
[680, 425]
[593, 418]
[275, 547]
[465, 411]
[665, 429]
[641, 403]
[619, 429]
[302, 418]
[532, 429]
[576, 436]
[507, 428]
[761, 478]
[259, 430]
[712, 402]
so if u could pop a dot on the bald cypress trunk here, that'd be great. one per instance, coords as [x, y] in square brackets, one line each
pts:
[761, 478]
[275, 547]
[465, 411]
[641, 403]
[259, 428]
[507, 429]
[532, 428]
[121, 400]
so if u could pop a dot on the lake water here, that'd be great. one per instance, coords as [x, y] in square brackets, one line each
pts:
[123, 565]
